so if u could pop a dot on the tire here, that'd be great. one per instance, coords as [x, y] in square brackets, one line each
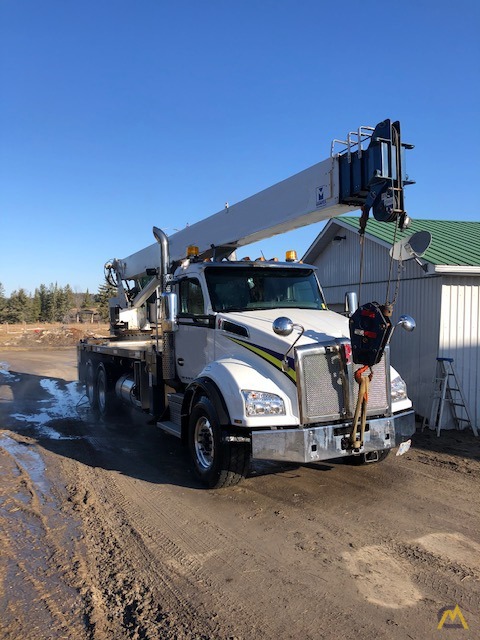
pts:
[90, 384]
[216, 463]
[106, 401]
[360, 460]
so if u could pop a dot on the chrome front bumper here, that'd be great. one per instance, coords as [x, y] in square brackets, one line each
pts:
[311, 444]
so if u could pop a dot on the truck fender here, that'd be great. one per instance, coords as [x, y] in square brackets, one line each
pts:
[228, 376]
[203, 386]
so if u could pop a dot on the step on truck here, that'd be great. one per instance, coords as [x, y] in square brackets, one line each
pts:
[242, 359]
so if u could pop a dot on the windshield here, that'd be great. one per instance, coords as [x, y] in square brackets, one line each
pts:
[243, 289]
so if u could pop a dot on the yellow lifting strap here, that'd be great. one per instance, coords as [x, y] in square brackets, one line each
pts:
[356, 439]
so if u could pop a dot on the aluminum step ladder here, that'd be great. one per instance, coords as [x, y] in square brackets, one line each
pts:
[447, 390]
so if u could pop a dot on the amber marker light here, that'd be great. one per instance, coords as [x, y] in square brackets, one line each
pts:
[291, 256]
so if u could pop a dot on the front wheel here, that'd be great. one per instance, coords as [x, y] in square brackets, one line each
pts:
[217, 463]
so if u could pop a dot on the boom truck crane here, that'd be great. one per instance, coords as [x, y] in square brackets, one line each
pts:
[243, 359]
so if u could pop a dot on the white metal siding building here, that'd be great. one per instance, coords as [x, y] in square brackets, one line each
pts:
[444, 299]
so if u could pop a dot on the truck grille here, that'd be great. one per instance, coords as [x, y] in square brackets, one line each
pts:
[322, 385]
[326, 387]
[378, 393]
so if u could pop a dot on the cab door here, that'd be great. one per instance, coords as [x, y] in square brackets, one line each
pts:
[194, 336]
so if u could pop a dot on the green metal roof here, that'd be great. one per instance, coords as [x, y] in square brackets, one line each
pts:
[453, 242]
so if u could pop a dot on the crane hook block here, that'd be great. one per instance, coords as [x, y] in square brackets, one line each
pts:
[370, 331]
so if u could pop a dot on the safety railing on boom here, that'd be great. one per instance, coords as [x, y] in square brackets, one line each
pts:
[373, 176]
[354, 142]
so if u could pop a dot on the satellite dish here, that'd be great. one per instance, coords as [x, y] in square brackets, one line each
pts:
[412, 247]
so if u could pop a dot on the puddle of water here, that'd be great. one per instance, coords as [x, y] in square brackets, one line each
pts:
[30, 460]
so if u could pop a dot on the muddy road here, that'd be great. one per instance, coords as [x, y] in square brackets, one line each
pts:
[106, 534]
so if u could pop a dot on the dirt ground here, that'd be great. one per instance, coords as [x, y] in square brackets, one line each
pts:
[106, 534]
[47, 336]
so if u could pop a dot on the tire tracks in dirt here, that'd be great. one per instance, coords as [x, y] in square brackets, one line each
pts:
[204, 568]
[126, 596]
[36, 598]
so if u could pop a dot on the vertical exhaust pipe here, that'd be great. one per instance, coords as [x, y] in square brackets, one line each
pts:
[168, 338]
[161, 238]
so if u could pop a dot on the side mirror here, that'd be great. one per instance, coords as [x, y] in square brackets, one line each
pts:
[407, 323]
[282, 326]
[169, 312]
[351, 303]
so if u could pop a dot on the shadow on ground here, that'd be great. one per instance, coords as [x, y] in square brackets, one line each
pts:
[56, 414]
[451, 441]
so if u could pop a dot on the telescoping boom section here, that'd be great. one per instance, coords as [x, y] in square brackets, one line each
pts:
[364, 171]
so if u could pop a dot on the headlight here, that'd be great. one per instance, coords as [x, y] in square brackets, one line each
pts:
[399, 389]
[261, 403]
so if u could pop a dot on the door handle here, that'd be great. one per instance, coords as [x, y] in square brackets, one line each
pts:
[180, 361]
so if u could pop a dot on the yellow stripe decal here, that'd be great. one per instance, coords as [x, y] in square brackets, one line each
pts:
[276, 362]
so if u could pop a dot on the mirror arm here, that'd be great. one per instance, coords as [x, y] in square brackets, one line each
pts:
[285, 366]
[406, 322]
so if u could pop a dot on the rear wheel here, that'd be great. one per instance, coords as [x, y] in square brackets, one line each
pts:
[106, 400]
[217, 463]
[90, 384]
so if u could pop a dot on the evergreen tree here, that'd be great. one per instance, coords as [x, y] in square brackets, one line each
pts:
[64, 302]
[42, 296]
[35, 307]
[105, 292]
[87, 300]
[18, 307]
[50, 304]
[69, 299]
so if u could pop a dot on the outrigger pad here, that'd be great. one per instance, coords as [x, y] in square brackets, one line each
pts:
[370, 330]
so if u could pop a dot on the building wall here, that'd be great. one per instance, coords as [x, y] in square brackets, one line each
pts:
[460, 335]
[412, 354]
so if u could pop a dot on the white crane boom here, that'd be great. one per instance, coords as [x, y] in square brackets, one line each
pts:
[354, 178]
[307, 197]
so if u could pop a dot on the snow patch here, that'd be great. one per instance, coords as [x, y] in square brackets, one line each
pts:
[63, 404]
[5, 373]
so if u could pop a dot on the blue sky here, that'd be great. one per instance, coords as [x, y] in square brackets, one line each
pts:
[118, 115]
